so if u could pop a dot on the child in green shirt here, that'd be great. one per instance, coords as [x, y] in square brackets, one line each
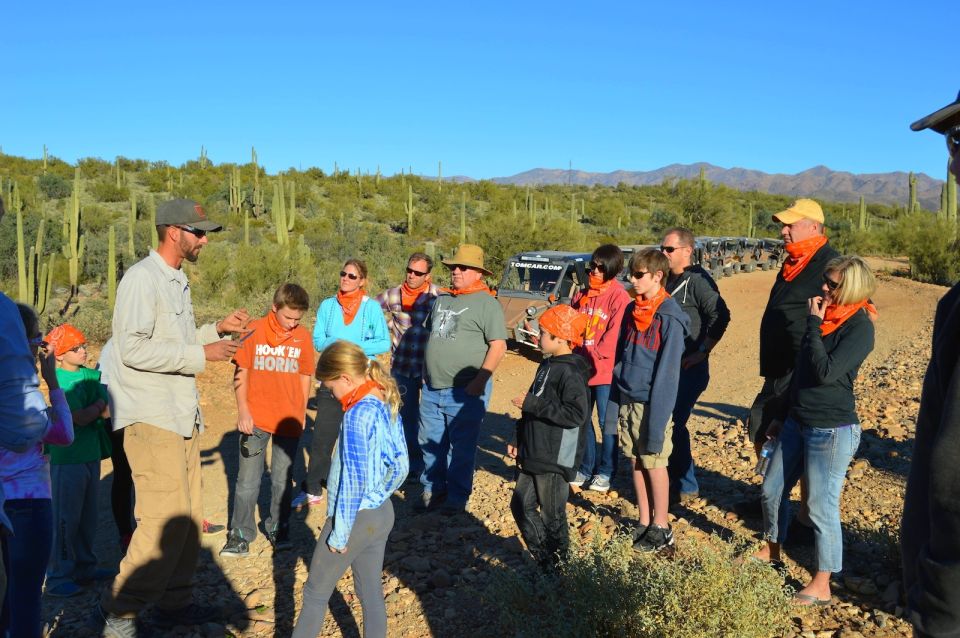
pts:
[75, 469]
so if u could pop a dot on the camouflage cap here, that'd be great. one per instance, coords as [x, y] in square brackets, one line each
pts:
[186, 212]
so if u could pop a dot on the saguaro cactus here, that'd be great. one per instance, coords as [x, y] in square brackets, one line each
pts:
[750, 217]
[408, 208]
[73, 248]
[235, 190]
[131, 227]
[279, 211]
[112, 266]
[44, 159]
[203, 157]
[463, 217]
[21, 261]
[292, 211]
[154, 237]
[246, 226]
[573, 208]
[913, 206]
[863, 214]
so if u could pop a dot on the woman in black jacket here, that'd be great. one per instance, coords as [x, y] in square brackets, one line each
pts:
[821, 430]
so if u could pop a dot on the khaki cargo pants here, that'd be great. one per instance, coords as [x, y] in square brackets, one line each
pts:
[162, 556]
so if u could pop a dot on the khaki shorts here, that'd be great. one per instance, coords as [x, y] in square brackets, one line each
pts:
[633, 423]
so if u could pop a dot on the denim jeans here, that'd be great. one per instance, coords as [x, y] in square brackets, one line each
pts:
[450, 422]
[823, 454]
[539, 507]
[76, 489]
[410, 415]
[609, 460]
[253, 452]
[25, 556]
[693, 381]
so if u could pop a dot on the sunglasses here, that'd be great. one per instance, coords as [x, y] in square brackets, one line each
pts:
[411, 271]
[457, 267]
[196, 232]
[831, 284]
[596, 266]
[669, 249]
[636, 274]
[953, 140]
[348, 275]
[82, 346]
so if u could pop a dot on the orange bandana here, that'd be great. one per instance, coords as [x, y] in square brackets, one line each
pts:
[478, 286]
[358, 393]
[350, 303]
[835, 316]
[801, 252]
[408, 295]
[597, 286]
[644, 309]
[64, 337]
[565, 323]
[275, 333]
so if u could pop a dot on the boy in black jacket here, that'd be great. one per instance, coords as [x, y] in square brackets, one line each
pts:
[551, 436]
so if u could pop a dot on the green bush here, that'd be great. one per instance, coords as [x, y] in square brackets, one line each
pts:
[109, 192]
[606, 589]
[54, 186]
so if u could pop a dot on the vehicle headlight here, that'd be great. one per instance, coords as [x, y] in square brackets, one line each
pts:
[531, 310]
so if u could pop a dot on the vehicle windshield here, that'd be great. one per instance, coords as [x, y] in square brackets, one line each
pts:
[534, 277]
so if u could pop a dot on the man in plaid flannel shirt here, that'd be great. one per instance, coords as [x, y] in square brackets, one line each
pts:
[407, 307]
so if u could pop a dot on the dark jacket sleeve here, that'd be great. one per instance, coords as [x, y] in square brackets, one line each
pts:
[666, 380]
[850, 352]
[570, 412]
[713, 308]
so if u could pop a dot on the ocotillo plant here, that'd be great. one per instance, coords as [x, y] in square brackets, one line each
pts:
[112, 266]
[913, 206]
[863, 214]
[408, 208]
[463, 217]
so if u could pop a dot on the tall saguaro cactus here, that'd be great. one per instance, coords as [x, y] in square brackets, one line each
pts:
[131, 227]
[73, 248]
[750, 218]
[112, 266]
[44, 159]
[951, 203]
[21, 261]
[235, 197]
[913, 206]
[863, 214]
[463, 217]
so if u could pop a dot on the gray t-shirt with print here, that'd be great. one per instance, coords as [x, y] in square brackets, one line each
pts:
[461, 327]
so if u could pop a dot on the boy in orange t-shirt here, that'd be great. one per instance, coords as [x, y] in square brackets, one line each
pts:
[272, 382]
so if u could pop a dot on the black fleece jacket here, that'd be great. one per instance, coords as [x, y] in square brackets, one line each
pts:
[697, 293]
[551, 433]
[930, 533]
[785, 318]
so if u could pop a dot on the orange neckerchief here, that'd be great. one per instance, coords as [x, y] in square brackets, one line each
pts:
[644, 309]
[477, 286]
[801, 252]
[350, 303]
[597, 286]
[358, 393]
[408, 295]
[275, 332]
[835, 316]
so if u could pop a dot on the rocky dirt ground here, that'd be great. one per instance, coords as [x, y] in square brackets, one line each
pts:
[436, 568]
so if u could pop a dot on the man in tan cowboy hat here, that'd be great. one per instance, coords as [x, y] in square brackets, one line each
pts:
[467, 341]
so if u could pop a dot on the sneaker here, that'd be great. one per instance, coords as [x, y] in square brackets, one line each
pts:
[212, 529]
[655, 539]
[304, 499]
[280, 540]
[66, 589]
[579, 480]
[110, 626]
[638, 533]
[599, 483]
[193, 615]
[235, 545]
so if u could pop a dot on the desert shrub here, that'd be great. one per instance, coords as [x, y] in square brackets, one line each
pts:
[54, 186]
[606, 589]
[109, 192]
[93, 317]
[934, 253]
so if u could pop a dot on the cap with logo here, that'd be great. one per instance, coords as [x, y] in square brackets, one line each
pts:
[800, 209]
[185, 212]
[941, 119]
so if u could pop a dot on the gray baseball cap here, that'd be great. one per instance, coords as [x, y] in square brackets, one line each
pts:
[940, 120]
[185, 212]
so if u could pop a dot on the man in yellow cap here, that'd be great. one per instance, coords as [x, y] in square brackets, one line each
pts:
[931, 518]
[467, 340]
[784, 321]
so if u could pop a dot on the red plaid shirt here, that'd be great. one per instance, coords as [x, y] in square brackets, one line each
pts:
[408, 336]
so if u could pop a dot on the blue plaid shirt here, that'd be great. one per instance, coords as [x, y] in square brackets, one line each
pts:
[369, 465]
[408, 336]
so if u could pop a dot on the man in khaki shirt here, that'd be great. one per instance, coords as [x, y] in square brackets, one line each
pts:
[157, 351]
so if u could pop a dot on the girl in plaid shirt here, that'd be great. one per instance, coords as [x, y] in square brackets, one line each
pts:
[369, 464]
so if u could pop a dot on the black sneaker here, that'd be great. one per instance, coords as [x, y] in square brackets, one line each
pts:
[655, 539]
[235, 545]
[638, 532]
[280, 540]
[193, 615]
[109, 626]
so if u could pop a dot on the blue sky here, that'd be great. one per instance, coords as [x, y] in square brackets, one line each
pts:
[491, 89]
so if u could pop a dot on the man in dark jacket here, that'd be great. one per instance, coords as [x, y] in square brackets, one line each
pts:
[551, 435]
[785, 319]
[931, 510]
[698, 296]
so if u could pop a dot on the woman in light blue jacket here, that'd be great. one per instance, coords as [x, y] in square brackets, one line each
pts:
[352, 316]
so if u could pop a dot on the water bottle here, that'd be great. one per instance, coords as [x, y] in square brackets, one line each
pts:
[763, 463]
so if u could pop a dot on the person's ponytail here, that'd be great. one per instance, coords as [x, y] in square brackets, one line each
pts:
[391, 393]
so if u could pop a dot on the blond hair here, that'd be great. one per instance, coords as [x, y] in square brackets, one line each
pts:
[346, 357]
[857, 281]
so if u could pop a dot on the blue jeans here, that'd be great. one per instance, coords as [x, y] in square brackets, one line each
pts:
[608, 462]
[76, 488]
[823, 454]
[25, 556]
[693, 381]
[410, 415]
[253, 452]
[449, 431]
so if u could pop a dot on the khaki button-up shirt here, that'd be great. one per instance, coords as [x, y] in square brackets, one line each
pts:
[157, 349]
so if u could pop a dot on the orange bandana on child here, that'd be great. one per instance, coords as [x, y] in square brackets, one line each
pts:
[408, 295]
[597, 286]
[644, 309]
[801, 252]
[565, 323]
[477, 286]
[275, 333]
[358, 393]
[350, 303]
[835, 316]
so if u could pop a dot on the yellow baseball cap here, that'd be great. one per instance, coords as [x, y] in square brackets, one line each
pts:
[800, 209]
